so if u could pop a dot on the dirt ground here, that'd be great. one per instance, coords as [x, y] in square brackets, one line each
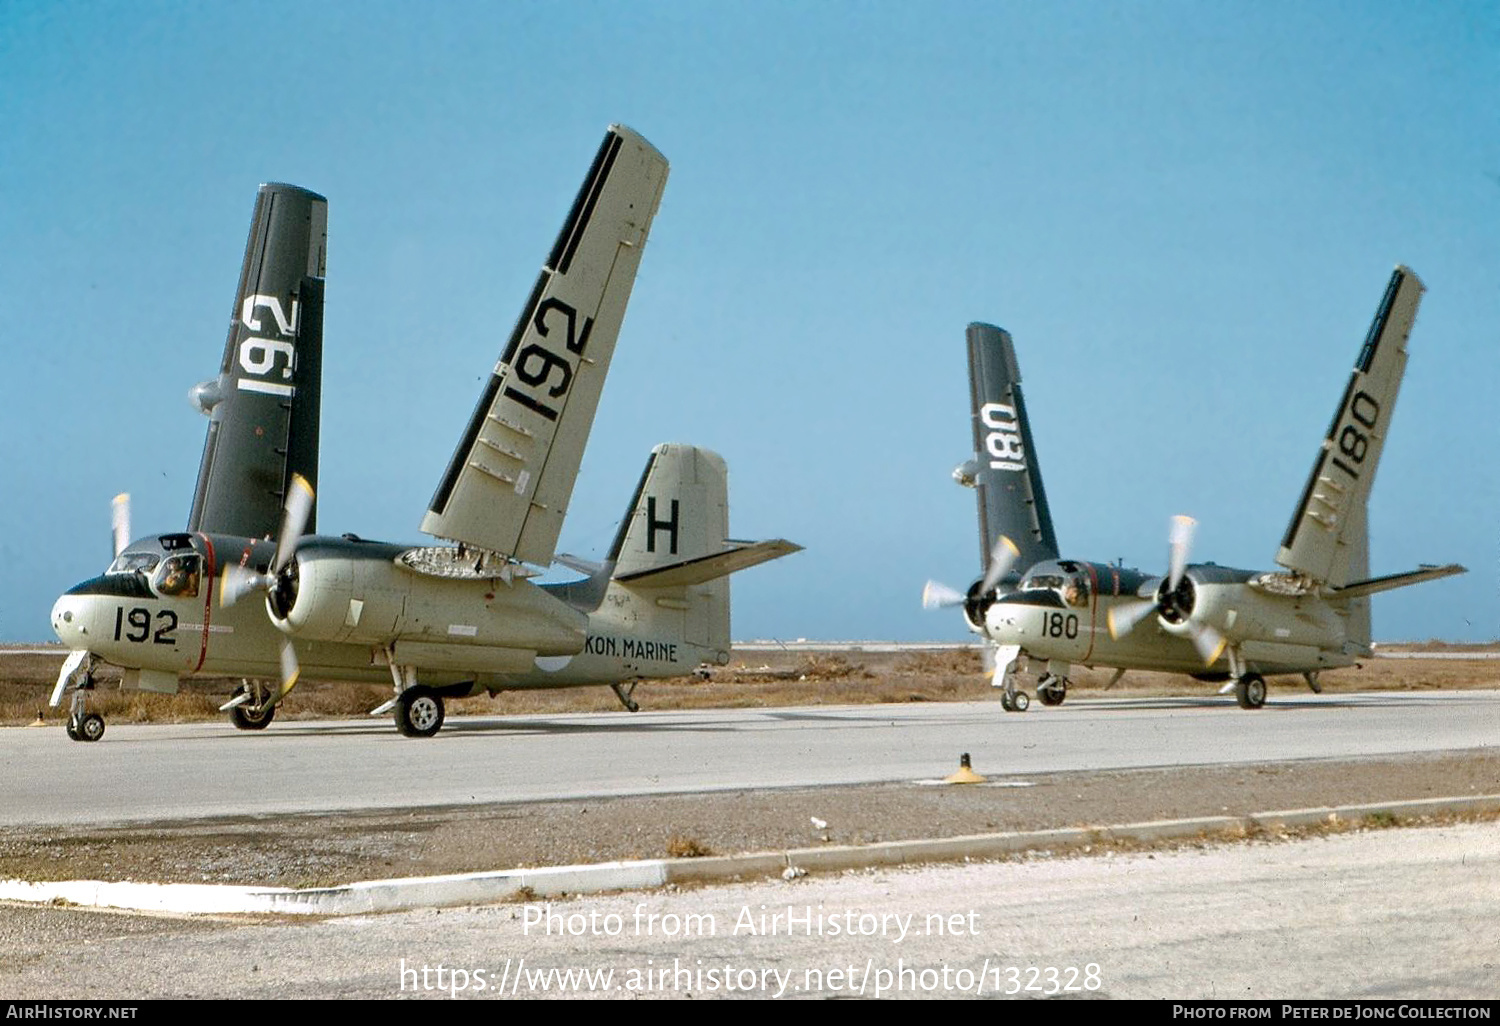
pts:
[754, 679]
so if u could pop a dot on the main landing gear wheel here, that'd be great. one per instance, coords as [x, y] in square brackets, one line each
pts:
[1052, 690]
[1018, 702]
[245, 717]
[419, 712]
[1250, 691]
[90, 727]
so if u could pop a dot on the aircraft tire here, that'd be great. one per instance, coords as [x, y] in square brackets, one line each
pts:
[1250, 691]
[1005, 702]
[419, 712]
[245, 719]
[1053, 693]
[1022, 701]
[90, 728]
[72, 728]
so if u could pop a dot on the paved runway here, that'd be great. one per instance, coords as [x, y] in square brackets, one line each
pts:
[194, 770]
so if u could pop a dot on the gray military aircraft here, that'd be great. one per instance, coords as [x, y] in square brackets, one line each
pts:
[438, 621]
[1212, 622]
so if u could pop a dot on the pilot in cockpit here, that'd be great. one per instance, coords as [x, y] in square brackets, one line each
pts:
[179, 577]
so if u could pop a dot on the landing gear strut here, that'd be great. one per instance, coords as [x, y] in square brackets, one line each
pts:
[82, 724]
[1250, 691]
[1009, 661]
[78, 673]
[623, 693]
[1052, 689]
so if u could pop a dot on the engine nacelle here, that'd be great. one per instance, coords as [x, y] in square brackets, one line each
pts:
[344, 595]
[1242, 613]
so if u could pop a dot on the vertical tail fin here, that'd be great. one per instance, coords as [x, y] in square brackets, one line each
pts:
[1005, 472]
[671, 559]
[1327, 540]
[263, 408]
[665, 610]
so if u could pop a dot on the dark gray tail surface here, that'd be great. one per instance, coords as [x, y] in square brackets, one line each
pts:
[263, 407]
[1012, 501]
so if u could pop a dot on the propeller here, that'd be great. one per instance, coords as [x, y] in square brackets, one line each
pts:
[290, 671]
[1174, 599]
[119, 521]
[239, 581]
[937, 595]
[1003, 556]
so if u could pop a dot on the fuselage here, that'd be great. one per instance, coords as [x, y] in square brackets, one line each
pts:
[352, 606]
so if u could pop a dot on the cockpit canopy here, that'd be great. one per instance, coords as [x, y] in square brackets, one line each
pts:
[168, 564]
[134, 562]
[1068, 580]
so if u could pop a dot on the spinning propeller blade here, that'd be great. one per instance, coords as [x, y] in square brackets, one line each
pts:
[299, 502]
[119, 521]
[1178, 545]
[1123, 618]
[937, 595]
[1002, 558]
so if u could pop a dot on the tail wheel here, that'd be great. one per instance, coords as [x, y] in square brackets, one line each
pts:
[419, 712]
[1250, 691]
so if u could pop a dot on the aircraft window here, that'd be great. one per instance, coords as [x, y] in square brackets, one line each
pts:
[1077, 591]
[1039, 581]
[178, 577]
[133, 562]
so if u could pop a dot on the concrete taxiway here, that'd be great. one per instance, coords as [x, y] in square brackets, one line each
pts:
[197, 770]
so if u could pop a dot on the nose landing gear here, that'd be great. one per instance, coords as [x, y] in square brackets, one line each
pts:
[78, 671]
[85, 726]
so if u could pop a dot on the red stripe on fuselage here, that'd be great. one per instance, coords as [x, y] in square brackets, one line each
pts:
[1093, 610]
[208, 598]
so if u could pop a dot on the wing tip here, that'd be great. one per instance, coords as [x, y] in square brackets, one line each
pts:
[630, 135]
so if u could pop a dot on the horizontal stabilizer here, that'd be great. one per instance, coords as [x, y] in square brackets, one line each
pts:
[1391, 581]
[709, 568]
[578, 563]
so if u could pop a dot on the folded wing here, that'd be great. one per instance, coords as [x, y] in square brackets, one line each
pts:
[508, 484]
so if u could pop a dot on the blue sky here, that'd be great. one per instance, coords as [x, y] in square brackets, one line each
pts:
[1184, 212]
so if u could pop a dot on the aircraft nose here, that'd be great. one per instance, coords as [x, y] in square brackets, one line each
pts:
[67, 620]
